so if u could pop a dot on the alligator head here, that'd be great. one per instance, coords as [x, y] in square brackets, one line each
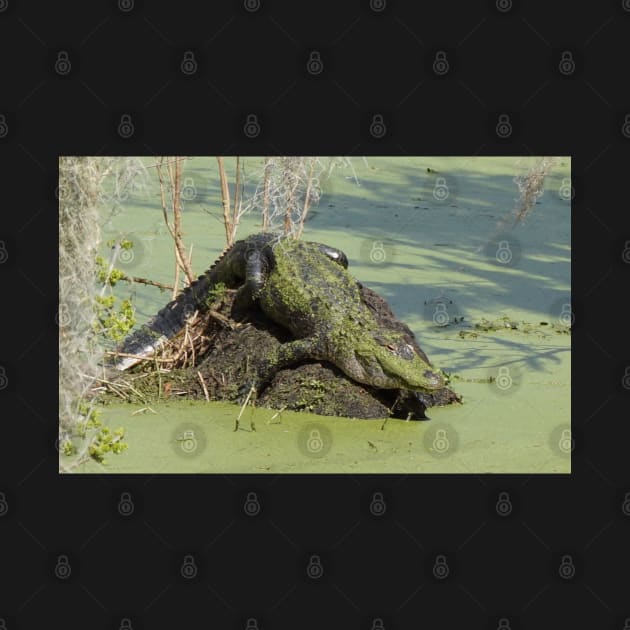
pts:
[390, 362]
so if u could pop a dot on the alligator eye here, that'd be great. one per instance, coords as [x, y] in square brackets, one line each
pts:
[407, 351]
[403, 351]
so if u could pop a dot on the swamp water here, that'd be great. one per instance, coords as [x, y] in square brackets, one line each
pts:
[422, 232]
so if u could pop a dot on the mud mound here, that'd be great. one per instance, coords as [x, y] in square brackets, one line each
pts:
[228, 345]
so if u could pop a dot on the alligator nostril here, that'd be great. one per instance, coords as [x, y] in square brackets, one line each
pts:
[433, 377]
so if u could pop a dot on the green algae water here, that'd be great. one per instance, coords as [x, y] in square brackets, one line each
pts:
[199, 437]
[492, 309]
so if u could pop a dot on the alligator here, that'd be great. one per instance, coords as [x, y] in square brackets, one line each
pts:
[304, 287]
[239, 265]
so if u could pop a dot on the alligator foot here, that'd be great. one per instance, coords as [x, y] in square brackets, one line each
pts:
[413, 403]
[289, 353]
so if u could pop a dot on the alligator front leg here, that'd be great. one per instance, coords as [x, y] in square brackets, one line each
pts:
[290, 353]
[257, 267]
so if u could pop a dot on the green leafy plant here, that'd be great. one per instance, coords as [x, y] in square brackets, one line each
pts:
[114, 317]
[87, 185]
[102, 440]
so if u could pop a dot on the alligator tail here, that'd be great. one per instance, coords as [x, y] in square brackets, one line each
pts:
[145, 341]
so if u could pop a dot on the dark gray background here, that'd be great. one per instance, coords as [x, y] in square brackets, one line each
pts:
[371, 59]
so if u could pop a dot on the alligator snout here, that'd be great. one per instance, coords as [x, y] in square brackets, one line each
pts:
[434, 379]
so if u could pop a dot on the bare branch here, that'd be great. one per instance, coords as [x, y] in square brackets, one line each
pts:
[153, 283]
[307, 199]
[225, 200]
